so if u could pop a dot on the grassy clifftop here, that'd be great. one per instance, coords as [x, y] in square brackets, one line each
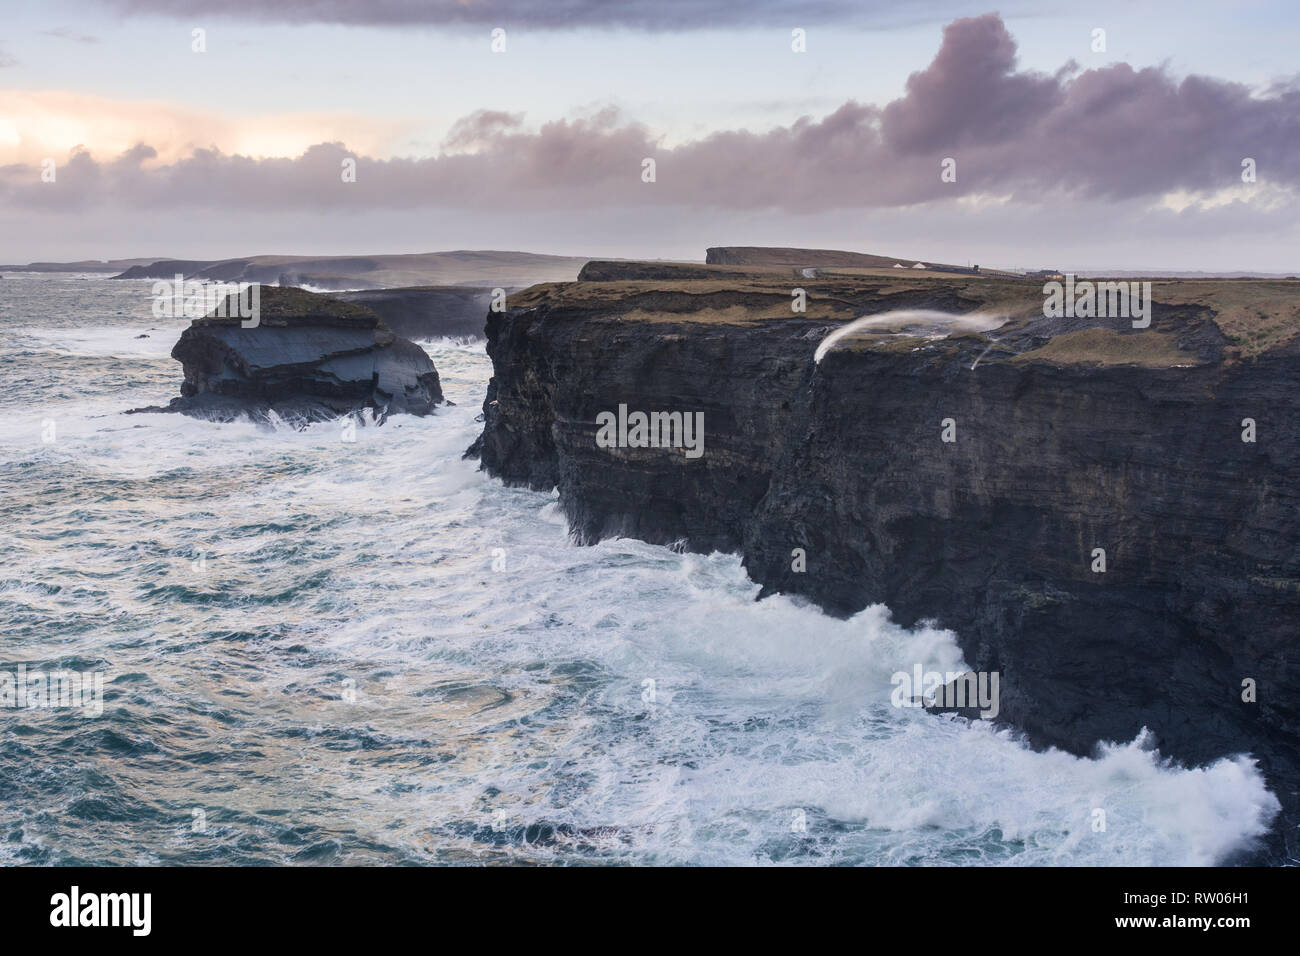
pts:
[1193, 320]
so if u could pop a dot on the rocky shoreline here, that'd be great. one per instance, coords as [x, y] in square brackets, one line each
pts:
[963, 477]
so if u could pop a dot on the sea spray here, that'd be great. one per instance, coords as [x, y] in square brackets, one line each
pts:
[923, 323]
[489, 698]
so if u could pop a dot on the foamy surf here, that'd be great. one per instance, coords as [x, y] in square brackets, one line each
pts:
[238, 583]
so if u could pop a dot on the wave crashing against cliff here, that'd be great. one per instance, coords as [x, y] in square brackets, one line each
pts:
[1073, 436]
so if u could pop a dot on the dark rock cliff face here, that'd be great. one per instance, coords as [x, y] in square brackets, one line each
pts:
[1060, 448]
[815, 258]
[309, 358]
[613, 270]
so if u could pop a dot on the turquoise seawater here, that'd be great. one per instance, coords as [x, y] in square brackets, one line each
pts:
[317, 651]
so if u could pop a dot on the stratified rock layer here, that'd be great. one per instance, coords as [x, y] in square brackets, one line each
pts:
[309, 358]
[1070, 436]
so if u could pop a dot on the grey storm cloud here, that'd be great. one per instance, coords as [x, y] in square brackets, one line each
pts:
[65, 33]
[480, 127]
[674, 15]
[1112, 133]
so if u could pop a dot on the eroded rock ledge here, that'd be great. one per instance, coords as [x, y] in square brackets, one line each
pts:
[309, 358]
[1071, 435]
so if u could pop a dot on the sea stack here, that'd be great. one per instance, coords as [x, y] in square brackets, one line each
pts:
[305, 357]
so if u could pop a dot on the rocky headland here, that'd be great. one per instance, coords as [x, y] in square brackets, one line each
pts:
[970, 473]
[465, 267]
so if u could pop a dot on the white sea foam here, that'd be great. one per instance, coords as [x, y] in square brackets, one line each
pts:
[98, 341]
[480, 688]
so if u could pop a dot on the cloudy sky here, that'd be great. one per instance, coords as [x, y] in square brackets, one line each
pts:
[1065, 155]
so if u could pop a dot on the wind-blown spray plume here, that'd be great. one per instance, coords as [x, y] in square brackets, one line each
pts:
[923, 323]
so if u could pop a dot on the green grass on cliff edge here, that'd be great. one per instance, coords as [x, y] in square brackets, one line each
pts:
[286, 305]
[1254, 315]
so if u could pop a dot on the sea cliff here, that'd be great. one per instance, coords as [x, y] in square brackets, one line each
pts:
[973, 478]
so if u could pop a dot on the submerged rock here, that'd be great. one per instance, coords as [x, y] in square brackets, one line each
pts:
[310, 358]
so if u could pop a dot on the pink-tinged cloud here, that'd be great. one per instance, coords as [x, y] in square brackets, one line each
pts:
[1111, 133]
[666, 15]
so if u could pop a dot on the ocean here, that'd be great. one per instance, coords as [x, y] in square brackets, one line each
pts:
[320, 651]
